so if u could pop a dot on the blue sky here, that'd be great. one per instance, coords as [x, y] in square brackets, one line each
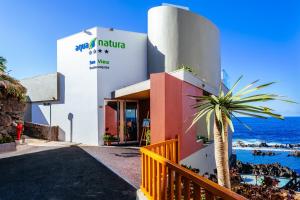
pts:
[259, 39]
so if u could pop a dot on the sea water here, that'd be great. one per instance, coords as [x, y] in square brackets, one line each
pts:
[271, 131]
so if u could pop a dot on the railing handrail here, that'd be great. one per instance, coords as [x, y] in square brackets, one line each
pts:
[165, 146]
[159, 143]
[205, 183]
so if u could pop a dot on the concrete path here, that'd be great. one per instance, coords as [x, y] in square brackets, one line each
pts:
[59, 171]
[124, 161]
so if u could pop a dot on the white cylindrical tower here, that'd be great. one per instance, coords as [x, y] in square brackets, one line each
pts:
[179, 37]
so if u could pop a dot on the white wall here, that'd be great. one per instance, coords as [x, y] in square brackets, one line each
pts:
[204, 160]
[78, 89]
[48, 91]
[179, 37]
[78, 110]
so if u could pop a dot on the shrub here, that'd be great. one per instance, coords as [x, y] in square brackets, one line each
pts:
[11, 87]
[108, 138]
[6, 139]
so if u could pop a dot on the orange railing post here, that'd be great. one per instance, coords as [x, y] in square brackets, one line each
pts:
[178, 148]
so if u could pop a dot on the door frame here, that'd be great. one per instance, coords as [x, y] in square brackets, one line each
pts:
[122, 115]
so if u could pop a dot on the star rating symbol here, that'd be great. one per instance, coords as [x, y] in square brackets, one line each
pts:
[105, 51]
[90, 52]
[94, 51]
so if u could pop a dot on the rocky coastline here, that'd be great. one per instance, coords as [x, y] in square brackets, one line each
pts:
[267, 190]
[263, 153]
[266, 145]
[275, 169]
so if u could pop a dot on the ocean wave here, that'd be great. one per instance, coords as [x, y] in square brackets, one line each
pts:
[264, 149]
[248, 141]
[254, 144]
[257, 142]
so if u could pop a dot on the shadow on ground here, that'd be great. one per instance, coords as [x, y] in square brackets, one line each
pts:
[127, 155]
[65, 173]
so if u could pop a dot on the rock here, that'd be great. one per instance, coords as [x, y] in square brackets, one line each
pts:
[5, 120]
[262, 153]
[274, 169]
[295, 153]
[263, 144]
[12, 108]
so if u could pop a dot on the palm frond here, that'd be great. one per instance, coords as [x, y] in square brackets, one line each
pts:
[251, 114]
[198, 116]
[234, 86]
[225, 106]
[255, 89]
[241, 122]
[247, 86]
[208, 116]
[228, 120]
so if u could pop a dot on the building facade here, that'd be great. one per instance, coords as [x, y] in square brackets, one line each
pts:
[110, 81]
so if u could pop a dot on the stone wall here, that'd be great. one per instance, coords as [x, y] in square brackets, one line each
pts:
[41, 131]
[11, 111]
[6, 147]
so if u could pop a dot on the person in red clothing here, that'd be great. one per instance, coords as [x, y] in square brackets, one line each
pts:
[19, 130]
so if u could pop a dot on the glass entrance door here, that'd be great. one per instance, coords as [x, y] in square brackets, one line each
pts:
[131, 121]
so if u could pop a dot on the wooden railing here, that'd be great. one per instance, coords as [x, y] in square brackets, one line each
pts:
[168, 149]
[164, 178]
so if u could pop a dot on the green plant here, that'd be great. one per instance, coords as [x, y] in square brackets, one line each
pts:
[16, 92]
[2, 64]
[12, 87]
[186, 68]
[108, 138]
[148, 137]
[196, 170]
[6, 139]
[223, 108]
[205, 139]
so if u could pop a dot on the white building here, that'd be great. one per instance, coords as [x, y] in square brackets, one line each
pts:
[109, 80]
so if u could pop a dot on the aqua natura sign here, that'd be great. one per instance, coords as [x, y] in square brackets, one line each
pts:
[100, 42]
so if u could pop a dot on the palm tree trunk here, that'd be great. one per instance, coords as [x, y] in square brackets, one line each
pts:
[221, 155]
[226, 156]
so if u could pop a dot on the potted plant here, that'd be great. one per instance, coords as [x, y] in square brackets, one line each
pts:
[202, 138]
[107, 138]
[148, 137]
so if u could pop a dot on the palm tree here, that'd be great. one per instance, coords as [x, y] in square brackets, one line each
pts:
[223, 108]
[2, 64]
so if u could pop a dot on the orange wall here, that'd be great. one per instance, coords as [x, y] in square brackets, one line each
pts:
[188, 139]
[173, 102]
[111, 120]
[171, 111]
[157, 107]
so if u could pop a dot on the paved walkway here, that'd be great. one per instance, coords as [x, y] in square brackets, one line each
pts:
[59, 171]
[124, 161]
[35, 145]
